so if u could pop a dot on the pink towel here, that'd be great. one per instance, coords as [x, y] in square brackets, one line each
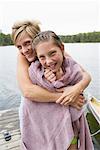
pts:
[48, 126]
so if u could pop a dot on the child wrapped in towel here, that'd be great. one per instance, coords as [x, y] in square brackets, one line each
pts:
[51, 126]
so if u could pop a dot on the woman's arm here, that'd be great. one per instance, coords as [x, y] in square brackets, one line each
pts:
[71, 93]
[85, 80]
[29, 90]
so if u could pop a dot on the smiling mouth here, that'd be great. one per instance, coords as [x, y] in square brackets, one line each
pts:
[52, 67]
[28, 55]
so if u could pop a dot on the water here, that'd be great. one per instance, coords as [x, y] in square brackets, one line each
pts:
[9, 93]
[87, 55]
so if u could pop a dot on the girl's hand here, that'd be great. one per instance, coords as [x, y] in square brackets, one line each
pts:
[69, 95]
[49, 75]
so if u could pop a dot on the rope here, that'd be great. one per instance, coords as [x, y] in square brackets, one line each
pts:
[95, 133]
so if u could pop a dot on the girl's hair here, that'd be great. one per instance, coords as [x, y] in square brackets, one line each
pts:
[30, 27]
[46, 36]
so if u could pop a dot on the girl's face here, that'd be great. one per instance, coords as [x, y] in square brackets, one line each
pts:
[50, 55]
[24, 44]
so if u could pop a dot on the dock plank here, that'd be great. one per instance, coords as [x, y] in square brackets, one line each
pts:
[9, 121]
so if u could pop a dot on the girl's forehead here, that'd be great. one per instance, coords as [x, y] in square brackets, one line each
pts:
[49, 43]
[45, 45]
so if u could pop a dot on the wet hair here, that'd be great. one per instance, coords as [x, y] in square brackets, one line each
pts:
[46, 36]
[30, 27]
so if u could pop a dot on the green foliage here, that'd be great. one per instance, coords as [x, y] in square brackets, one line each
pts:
[81, 37]
[93, 126]
[5, 40]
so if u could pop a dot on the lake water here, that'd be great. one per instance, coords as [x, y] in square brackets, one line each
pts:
[88, 55]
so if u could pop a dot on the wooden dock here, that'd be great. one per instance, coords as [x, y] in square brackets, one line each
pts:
[9, 121]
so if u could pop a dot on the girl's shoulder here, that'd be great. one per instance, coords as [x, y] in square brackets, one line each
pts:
[69, 60]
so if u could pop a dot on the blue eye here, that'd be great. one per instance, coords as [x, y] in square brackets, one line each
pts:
[53, 53]
[19, 47]
[28, 43]
[41, 57]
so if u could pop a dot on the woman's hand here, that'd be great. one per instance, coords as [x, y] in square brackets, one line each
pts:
[49, 75]
[78, 103]
[70, 95]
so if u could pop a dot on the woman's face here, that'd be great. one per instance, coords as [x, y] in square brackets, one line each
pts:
[24, 44]
[50, 55]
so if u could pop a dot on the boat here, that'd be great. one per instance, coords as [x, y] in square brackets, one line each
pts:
[94, 106]
[93, 118]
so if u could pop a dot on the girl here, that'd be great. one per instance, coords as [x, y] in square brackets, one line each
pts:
[42, 125]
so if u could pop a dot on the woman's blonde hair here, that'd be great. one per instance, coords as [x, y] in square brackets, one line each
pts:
[30, 27]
